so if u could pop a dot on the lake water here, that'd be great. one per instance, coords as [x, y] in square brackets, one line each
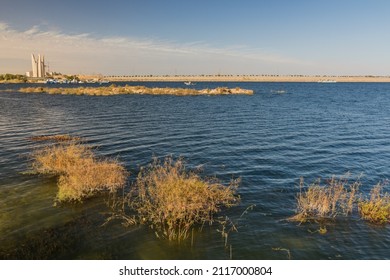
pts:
[283, 132]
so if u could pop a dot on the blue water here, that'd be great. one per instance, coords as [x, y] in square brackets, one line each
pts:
[283, 132]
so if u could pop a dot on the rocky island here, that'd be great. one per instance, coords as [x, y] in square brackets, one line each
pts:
[116, 90]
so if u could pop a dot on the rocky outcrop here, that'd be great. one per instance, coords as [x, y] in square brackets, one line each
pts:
[116, 90]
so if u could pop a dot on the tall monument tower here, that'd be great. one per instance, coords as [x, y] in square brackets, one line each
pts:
[38, 66]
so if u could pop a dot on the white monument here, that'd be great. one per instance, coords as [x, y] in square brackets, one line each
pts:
[38, 66]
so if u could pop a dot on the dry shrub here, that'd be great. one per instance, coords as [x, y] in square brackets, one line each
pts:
[172, 200]
[337, 198]
[376, 208]
[81, 173]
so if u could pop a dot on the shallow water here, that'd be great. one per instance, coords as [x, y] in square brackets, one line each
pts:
[283, 132]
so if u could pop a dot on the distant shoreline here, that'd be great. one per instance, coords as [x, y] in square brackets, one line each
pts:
[251, 78]
[222, 78]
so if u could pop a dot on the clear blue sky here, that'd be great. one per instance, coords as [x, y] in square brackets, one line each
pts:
[341, 37]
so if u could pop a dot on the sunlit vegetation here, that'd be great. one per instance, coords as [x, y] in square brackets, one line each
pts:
[165, 196]
[336, 198]
[116, 90]
[172, 200]
[376, 208]
[81, 174]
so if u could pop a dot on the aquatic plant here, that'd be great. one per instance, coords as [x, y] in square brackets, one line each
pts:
[336, 198]
[376, 208]
[171, 200]
[81, 173]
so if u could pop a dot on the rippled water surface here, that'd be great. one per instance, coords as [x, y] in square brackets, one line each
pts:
[283, 132]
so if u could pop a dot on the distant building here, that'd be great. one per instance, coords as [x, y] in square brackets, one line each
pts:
[38, 67]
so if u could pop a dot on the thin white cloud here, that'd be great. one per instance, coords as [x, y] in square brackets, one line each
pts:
[33, 30]
[87, 53]
[3, 26]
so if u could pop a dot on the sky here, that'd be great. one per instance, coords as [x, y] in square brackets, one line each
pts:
[192, 37]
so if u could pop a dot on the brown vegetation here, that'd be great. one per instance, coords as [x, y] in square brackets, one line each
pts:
[334, 199]
[115, 90]
[340, 198]
[172, 200]
[81, 173]
[376, 208]
[165, 196]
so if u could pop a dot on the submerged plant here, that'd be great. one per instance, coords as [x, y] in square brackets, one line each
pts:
[376, 208]
[171, 200]
[81, 173]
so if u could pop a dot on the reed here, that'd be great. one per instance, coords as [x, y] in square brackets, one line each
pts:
[81, 174]
[336, 198]
[171, 200]
[376, 208]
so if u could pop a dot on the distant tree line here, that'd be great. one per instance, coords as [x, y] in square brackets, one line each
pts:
[8, 77]
[72, 77]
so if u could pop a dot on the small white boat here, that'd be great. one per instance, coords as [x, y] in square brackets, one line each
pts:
[327, 81]
[189, 83]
